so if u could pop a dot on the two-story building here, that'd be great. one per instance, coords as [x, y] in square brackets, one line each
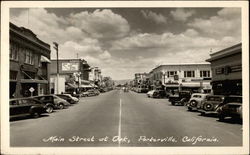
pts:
[29, 58]
[182, 75]
[226, 67]
[95, 76]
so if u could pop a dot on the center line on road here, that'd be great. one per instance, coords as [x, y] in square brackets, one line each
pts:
[119, 128]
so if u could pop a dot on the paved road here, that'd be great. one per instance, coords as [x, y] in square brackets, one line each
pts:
[136, 119]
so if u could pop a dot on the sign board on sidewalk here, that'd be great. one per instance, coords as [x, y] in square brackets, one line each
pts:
[31, 89]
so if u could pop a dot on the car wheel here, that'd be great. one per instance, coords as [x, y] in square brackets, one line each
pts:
[193, 103]
[173, 103]
[208, 106]
[221, 117]
[35, 114]
[49, 109]
[203, 114]
[61, 106]
[190, 109]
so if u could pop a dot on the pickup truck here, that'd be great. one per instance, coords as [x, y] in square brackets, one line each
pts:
[180, 98]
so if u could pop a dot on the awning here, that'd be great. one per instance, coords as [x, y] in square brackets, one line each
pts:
[71, 85]
[93, 85]
[45, 59]
[171, 85]
[34, 81]
[85, 82]
[86, 86]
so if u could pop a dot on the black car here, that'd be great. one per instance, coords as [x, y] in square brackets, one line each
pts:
[159, 94]
[55, 101]
[180, 97]
[232, 107]
[26, 106]
[67, 97]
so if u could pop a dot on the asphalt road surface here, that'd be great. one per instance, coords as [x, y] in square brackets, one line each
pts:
[118, 119]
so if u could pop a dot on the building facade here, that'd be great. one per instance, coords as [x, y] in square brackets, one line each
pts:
[29, 58]
[227, 71]
[71, 73]
[189, 75]
[95, 76]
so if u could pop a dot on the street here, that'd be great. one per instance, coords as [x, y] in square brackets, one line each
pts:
[118, 118]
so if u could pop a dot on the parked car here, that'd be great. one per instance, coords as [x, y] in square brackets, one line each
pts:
[150, 93]
[210, 104]
[91, 92]
[196, 98]
[26, 106]
[68, 98]
[57, 102]
[159, 94]
[180, 98]
[231, 107]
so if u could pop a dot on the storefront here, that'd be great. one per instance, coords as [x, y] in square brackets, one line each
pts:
[227, 71]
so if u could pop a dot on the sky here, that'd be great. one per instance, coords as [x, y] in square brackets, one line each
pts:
[125, 41]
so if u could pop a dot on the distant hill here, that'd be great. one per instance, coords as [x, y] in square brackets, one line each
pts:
[122, 81]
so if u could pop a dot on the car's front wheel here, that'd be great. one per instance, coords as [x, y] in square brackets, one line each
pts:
[35, 114]
[190, 109]
[221, 117]
[61, 106]
[49, 109]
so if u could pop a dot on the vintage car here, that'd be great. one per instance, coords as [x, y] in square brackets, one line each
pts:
[196, 98]
[179, 98]
[26, 106]
[150, 93]
[159, 94]
[68, 98]
[90, 92]
[232, 107]
[56, 101]
[210, 104]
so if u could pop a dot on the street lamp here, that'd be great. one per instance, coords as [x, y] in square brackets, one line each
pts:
[78, 74]
[57, 68]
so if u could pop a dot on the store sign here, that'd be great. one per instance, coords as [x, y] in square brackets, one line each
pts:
[70, 66]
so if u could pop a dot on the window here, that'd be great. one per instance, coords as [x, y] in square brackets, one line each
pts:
[204, 73]
[14, 48]
[29, 59]
[171, 73]
[188, 73]
[219, 71]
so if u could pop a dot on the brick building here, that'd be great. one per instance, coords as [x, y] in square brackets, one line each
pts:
[29, 58]
[227, 71]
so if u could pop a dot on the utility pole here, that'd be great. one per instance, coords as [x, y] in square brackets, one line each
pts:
[57, 68]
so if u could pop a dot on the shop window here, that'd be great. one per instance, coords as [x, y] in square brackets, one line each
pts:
[14, 49]
[29, 57]
[188, 73]
[204, 73]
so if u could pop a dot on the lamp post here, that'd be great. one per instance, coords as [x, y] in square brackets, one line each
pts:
[78, 74]
[57, 68]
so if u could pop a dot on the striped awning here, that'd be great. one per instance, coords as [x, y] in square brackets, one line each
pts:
[34, 81]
